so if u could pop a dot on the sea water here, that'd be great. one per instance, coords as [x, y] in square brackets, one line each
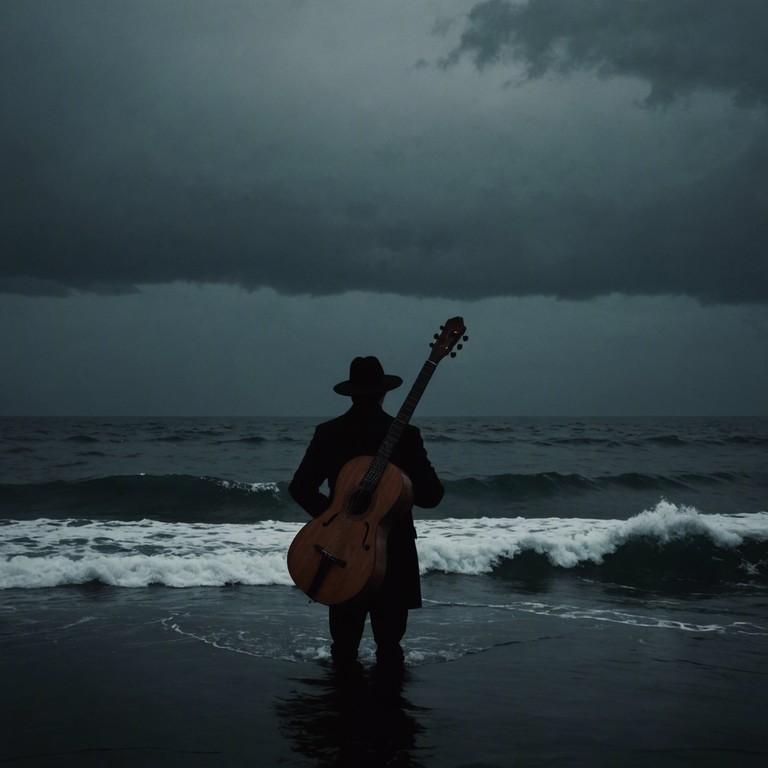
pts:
[657, 524]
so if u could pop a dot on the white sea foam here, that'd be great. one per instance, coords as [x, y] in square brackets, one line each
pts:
[477, 546]
[48, 553]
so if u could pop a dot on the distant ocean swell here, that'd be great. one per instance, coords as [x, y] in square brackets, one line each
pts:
[545, 484]
[186, 498]
[667, 546]
[182, 498]
[491, 437]
[213, 437]
[111, 435]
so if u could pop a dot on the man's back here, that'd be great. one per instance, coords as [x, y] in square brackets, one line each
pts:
[359, 432]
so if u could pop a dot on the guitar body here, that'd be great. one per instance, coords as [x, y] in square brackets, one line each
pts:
[341, 554]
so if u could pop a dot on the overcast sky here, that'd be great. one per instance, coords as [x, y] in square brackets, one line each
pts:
[209, 207]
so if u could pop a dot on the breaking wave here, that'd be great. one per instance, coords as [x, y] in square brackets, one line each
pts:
[664, 545]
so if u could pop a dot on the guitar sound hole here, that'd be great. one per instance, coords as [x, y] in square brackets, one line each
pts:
[359, 502]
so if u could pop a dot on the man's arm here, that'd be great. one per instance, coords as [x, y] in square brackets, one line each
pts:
[305, 486]
[428, 491]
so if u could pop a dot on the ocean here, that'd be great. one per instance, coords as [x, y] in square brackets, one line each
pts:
[595, 593]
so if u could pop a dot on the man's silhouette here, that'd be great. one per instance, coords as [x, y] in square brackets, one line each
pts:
[360, 431]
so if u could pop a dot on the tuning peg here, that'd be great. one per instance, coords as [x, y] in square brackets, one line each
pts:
[431, 343]
[436, 336]
[465, 338]
[459, 346]
[453, 354]
[442, 327]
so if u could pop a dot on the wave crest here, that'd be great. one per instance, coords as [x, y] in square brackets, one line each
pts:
[661, 546]
[658, 542]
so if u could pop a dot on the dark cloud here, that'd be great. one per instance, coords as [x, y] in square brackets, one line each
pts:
[677, 46]
[149, 143]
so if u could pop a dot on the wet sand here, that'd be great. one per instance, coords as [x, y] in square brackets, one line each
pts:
[563, 694]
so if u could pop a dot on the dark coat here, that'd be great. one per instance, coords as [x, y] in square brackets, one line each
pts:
[360, 431]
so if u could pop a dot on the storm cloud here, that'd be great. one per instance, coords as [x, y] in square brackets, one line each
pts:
[269, 145]
[676, 46]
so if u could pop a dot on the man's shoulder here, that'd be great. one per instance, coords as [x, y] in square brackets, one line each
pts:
[356, 416]
[351, 419]
[333, 425]
[411, 431]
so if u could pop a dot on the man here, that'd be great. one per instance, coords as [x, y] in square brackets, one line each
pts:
[360, 431]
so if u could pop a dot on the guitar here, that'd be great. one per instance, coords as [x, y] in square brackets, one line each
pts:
[342, 553]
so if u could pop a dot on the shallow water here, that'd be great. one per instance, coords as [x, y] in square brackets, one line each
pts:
[596, 592]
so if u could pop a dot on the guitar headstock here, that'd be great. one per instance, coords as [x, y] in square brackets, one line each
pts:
[449, 337]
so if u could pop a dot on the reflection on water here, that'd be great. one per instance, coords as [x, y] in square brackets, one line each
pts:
[357, 719]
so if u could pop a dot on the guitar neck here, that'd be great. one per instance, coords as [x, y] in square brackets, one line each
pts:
[376, 470]
[444, 342]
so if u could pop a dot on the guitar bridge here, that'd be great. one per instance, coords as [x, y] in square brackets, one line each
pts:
[330, 556]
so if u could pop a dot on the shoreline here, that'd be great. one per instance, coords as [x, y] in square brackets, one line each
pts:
[561, 694]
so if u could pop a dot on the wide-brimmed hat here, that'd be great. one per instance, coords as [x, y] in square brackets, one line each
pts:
[367, 377]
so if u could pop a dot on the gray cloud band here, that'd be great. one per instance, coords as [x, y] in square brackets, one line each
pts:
[88, 205]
